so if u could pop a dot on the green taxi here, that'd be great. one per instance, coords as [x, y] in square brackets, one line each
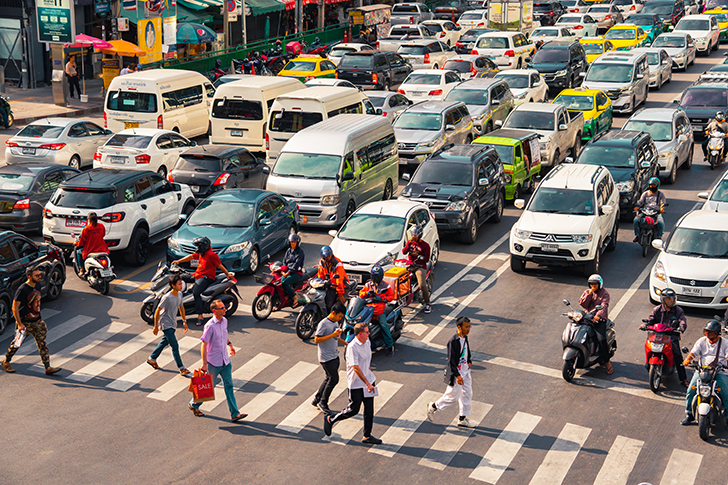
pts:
[593, 104]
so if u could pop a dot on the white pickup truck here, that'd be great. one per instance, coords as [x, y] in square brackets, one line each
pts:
[410, 13]
[403, 34]
[559, 130]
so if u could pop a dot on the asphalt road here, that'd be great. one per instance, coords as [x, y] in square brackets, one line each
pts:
[106, 418]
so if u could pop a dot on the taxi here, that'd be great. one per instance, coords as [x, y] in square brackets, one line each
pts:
[309, 66]
[595, 47]
[593, 104]
[721, 15]
[627, 37]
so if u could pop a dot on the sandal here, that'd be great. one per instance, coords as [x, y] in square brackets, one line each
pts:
[195, 411]
[198, 323]
[609, 367]
[153, 364]
[183, 371]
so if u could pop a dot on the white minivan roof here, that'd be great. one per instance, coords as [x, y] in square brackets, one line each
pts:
[331, 136]
[157, 75]
[321, 93]
[258, 82]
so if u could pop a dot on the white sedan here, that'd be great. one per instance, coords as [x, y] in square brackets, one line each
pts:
[527, 85]
[429, 84]
[142, 149]
[378, 229]
[718, 197]
[693, 261]
[546, 34]
[581, 25]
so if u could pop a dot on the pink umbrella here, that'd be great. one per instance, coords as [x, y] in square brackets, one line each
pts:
[83, 40]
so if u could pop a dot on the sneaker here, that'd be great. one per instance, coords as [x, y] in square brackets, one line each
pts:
[428, 309]
[431, 410]
[371, 440]
[315, 403]
[6, 366]
[324, 408]
[688, 419]
[328, 425]
[52, 370]
[390, 351]
[636, 238]
[465, 423]
[237, 418]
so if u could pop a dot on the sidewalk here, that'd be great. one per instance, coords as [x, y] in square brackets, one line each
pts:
[34, 104]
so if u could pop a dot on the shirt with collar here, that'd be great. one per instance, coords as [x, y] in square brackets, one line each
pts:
[215, 335]
[360, 354]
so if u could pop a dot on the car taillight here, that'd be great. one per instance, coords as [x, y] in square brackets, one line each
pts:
[222, 179]
[474, 52]
[459, 44]
[267, 142]
[457, 24]
[9, 143]
[574, 10]
[442, 34]
[47, 214]
[427, 57]
[578, 27]
[377, 45]
[607, 17]
[113, 217]
[473, 71]
[632, 7]
[412, 20]
[510, 54]
[143, 159]
[336, 75]
[105, 125]
[53, 146]
[400, 91]
[22, 204]
[170, 178]
[97, 156]
[160, 122]
[384, 114]
[436, 92]
[375, 78]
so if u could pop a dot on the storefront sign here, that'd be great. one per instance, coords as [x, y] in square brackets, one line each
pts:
[102, 7]
[55, 21]
[109, 70]
[150, 39]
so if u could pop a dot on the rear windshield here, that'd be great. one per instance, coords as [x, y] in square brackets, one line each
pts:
[468, 96]
[300, 66]
[493, 43]
[405, 9]
[362, 62]
[570, 19]
[542, 7]
[472, 35]
[129, 141]
[15, 182]
[434, 27]
[83, 199]
[471, 16]
[547, 56]
[199, 164]
[531, 120]
[412, 50]
[341, 51]
[641, 19]
[403, 30]
[293, 121]
[236, 109]
[599, 9]
[593, 48]
[377, 101]
[41, 131]
[658, 8]
[618, 157]
[419, 78]
[620, 34]
[545, 33]
[711, 4]
[132, 101]
[621, 2]
[458, 66]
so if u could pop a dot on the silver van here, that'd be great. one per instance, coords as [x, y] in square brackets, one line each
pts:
[337, 165]
[623, 76]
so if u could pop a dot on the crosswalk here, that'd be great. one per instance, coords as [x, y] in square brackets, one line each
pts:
[297, 382]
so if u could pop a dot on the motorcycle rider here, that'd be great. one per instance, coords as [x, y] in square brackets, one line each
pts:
[710, 349]
[718, 124]
[418, 253]
[671, 315]
[294, 259]
[382, 293]
[597, 295]
[331, 270]
[651, 198]
[91, 240]
[204, 275]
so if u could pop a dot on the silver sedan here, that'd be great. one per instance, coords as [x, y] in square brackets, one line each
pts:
[660, 65]
[63, 141]
[389, 104]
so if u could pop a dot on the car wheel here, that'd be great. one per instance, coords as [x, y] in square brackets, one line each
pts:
[689, 162]
[500, 203]
[518, 66]
[517, 264]
[673, 173]
[469, 139]
[55, 284]
[577, 146]
[75, 162]
[254, 260]
[669, 77]
[615, 233]
[4, 314]
[470, 235]
[435, 253]
[557, 158]
[488, 128]
[162, 171]
[138, 249]
[593, 266]
[188, 210]
[387, 85]
[350, 208]
[387, 190]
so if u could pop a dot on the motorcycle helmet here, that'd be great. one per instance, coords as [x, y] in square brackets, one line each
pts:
[719, 116]
[218, 63]
[326, 251]
[202, 244]
[294, 238]
[377, 274]
[595, 278]
[667, 294]
[654, 181]
[713, 326]
[417, 231]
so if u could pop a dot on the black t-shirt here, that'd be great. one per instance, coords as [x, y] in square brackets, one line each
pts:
[29, 299]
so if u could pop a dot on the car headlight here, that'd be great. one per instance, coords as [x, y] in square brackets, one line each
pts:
[681, 55]
[588, 120]
[560, 73]
[665, 155]
[172, 244]
[235, 248]
[428, 144]
[545, 145]
[330, 199]
[479, 117]
[387, 260]
[582, 238]
[508, 178]
[659, 271]
[522, 95]
[725, 283]
[458, 205]
[520, 234]
[626, 186]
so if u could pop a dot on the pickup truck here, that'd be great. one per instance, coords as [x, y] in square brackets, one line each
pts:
[410, 13]
[402, 34]
[559, 130]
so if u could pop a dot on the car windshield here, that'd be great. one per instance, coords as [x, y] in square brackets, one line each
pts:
[199, 163]
[419, 78]
[41, 131]
[83, 198]
[458, 66]
[623, 34]
[658, 8]
[704, 97]
[444, 173]
[211, 212]
[237, 109]
[419, 121]
[412, 50]
[356, 61]
[563, 201]
[693, 24]
[505, 152]
[700, 243]
[579, 103]
[545, 33]
[530, 120]
[15, 182]
[721, 17]
[543, 7]
[129, 141]
[300, 66]
[593, 48]
[711, 4]
[570, 19]
[307, 165]
[515, 81]
[493, 43]
[472, 35]
[131, 101]
[641, 19]
[653, 58]
[599, 10]
[569, 3]
[340, 51]
[550, 56]
[617, 157]
[621, 2]
[720, 194]
[669, 41]
[372, 228]
[659, 130]
[610, 73]
[468, 96]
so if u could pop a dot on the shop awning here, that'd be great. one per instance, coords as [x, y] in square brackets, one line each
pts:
[260, 7]
[200, 4]
[183, 14]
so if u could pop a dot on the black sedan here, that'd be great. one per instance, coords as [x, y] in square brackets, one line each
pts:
[209, 168]
[24, 190]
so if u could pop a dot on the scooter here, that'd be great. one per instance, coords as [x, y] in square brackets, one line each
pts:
[580, 343]
[313, 297]
[648, 227]
[222, 289]
[408, 288]
[715, 148]
[216, 74]
[271, 296]
[359, 312]
[99, 273]
[5, 104]
[658, 351]
[707, 405]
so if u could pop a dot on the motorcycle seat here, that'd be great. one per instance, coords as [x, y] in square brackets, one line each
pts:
[310, 273]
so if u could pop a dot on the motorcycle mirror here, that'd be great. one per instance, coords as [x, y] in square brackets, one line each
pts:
[566, 302]
[685, 350]
[599, 307]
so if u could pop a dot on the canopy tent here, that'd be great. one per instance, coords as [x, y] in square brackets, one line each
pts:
[184, 14]
[261, 7]
[82, 41]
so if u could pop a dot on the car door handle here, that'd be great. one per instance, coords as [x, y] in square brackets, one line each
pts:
[144, 206]
[164, 201]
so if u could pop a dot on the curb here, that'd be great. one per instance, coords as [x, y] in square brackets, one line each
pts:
[69, 114]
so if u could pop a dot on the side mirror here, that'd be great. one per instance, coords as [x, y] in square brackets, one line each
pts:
[645, 164]
[495, 102]
[332, 233]
[582, 74]
[657, 244]
[568, 160]
[703, 195]
[183, 217]
[640, 76]
[519, 203]
[528, 59]
[109, 132]
[483, 182]
[563, 127]
[449, 127]
[266, 170]
[348, 176]
[176, 187]
[682, 138]
[499, 123]
[193, 143]
[264, 222]
[607, 209]
[406, 176]
[378, 111]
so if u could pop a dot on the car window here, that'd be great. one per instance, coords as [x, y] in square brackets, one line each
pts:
[393, 102]
[380, 61]
[412, 221]
[562, 118]
[362, 156]
[601, 99]
[51, 181]
[231, 162]
[246, 159]
[129, 192]
[77, 131]
[534, 79]
[451, 77]
[143, 189]
[265, 210]
[464, 113]
[6, 253]
[161, 186]
[276, 203]
[68, 173]
[482, 171]
[209, 90]
[422, 217]
[164, 142]
[94, 130]
[179, 141]
[348, 163]
[24, 248]
[435, 47]
[450, 118]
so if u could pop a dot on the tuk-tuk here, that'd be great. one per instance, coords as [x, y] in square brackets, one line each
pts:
[519, 151]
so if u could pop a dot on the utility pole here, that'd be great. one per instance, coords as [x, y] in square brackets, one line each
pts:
[243, 23]
[226, 24]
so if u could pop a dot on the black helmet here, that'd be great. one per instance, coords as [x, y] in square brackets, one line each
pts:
[667, 293]
[218, 63]
[713, 326]
[326, 251]
[294, 238]
[377, 274]
[202, 244]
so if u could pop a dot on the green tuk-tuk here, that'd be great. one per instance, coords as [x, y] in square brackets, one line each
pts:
[519, 151]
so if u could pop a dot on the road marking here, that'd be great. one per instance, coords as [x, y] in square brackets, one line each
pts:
[682, 468]
[464, 304]
[345, 430]
[632, 290]
[561, 456]
[505, 448]
[453, 438]
[280, 387]
[144, 370]
[174, 386]
[477, 277]
[416, 328]
[83, 345]
[305, 413]
[49, 313]
[102, 364]
[54, 333]
[136, 272]
[403, 429]
[241, 376]
[619, 462]
[501, 256]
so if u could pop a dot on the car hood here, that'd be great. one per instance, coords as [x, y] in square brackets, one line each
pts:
[566, 223]
[442, 192]
[478, 109]
[362, 253]
[695, 34]
[604, 86]
[664, 146]
[621, 174]
[547, 68]
[415, 136]
[699, 112]
[674, 51]
[220, 236]
[694, 268]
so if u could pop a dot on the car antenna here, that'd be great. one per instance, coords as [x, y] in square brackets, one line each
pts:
[89, 176]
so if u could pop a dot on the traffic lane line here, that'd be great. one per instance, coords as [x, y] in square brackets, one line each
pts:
[126, 277]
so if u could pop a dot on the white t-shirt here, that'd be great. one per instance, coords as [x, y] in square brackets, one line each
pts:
[463, 363]
[704, 351]
[360, 354]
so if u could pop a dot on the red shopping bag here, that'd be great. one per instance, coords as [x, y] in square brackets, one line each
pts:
[202, 387]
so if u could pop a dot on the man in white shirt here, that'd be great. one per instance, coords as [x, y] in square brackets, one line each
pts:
[361, 382]
[710, 350]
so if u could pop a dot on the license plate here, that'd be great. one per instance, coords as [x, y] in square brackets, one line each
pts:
[417, 93]
[697, 128]
[75, 223]
[194, 263]
[131, 124]
[120, 160]
[236, 132]
[28, 151]
[106, 272]
[689, 291]
[356, 277]
[195, 188]
[549, 248]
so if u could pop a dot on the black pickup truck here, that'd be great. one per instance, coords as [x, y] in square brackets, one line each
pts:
[379, 70]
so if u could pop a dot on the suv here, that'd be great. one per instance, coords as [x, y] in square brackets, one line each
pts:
[426, 53]
[631, 158]
[703, 99]
[560, 62]
[463, 186]
[548, 12]
[488, 101]
[669, 11]
[380, 70]
[623, 76]
[569, 221]
[137, 209]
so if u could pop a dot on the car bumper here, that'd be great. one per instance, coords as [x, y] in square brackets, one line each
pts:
[702, 46]
[321, 215]
[556, 82]
[654, 80]
[60, 157]
[567, 254]
[714, 298]
[623, 104]
[451, 221]
[413, 158]
[21, 221]
[117, 239]
[679, 62]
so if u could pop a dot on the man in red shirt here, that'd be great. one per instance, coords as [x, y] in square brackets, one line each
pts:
[91, 240]
[204, 275]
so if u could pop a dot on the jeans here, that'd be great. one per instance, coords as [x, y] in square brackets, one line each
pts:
[170, 339]
[201, 285]
[226, 372]
[356, 398]
[4, 117]
[38, 330]
[288, 282]
[388, 342]
[331, 368]
[421, 274]
[331, 296]
[721, 381]
[677, 359]
[660, 225]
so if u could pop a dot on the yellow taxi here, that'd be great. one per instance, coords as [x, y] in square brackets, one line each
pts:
[721, 15]
[593, 104]
[309, 66]
[627, 37]
[595, 47]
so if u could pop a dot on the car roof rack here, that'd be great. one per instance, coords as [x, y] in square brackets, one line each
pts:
[712, 77]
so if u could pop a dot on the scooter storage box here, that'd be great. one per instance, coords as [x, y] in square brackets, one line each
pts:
[293, 47]
[399, 279]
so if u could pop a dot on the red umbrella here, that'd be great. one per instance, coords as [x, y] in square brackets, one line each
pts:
[83, 40]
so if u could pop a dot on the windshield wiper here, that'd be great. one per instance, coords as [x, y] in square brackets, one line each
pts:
[690, 253]
[433, 183]
[211, 225]
[290, 175]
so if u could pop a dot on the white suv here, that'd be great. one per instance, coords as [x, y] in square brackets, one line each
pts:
[571, 219]
[136, 208]
[509, 50]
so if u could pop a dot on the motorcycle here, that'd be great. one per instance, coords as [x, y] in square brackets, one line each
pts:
[359, 312]
[313, 298]
[648, 227]
[715, 148]
[222, 289]
[216, 74]
[580, 343]
[707, 405]
[658, 351]
[99, 273]
[5, 104]
[271, 296]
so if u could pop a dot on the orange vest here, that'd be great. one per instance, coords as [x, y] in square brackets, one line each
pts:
[383, 290]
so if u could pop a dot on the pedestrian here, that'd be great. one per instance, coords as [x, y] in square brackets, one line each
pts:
[327, 339]
[166, 315]
[72, 74]
[26, 310]
[126, 70]
[361, 383]
[457, 376]
[215, 355]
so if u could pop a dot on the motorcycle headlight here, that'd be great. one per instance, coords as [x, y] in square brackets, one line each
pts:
[385, 261]
[626, 186]
[172, 244]
[560, 73]
[704, 391]
[659, 272]
[330, 199]
[582, 238]
[234, 248]
[520, 234]
[577, 316]
[456, 206]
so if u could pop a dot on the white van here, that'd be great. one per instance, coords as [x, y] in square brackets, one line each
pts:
[239, 113]
[297, 110]
[335, 166]
[169, 99]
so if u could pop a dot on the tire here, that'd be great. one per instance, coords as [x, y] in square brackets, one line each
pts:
[350, 208]
[262, 306]
[488, 128]
[518, 193]
[104, 288]
[147, 312]
[11, 120]
[520, 63]
[470, 235]
[387, 86]
[254, 260]
[500, 203]
[568, 370]
[469, 139]
[436, 66]
[55, 284]
[231, 307]
[577, 146]
[306, 324]
[162, 171]
[689, 162]
[673, 174]
[655, 377]
[517, 264]
[644, 250]
[75, 162]
[593, 266]
[703, 427]
[188, 210]
[388, 190]
[615, 232]
[557, 159]
[4, 314]
[136, 254]
[435, 253]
